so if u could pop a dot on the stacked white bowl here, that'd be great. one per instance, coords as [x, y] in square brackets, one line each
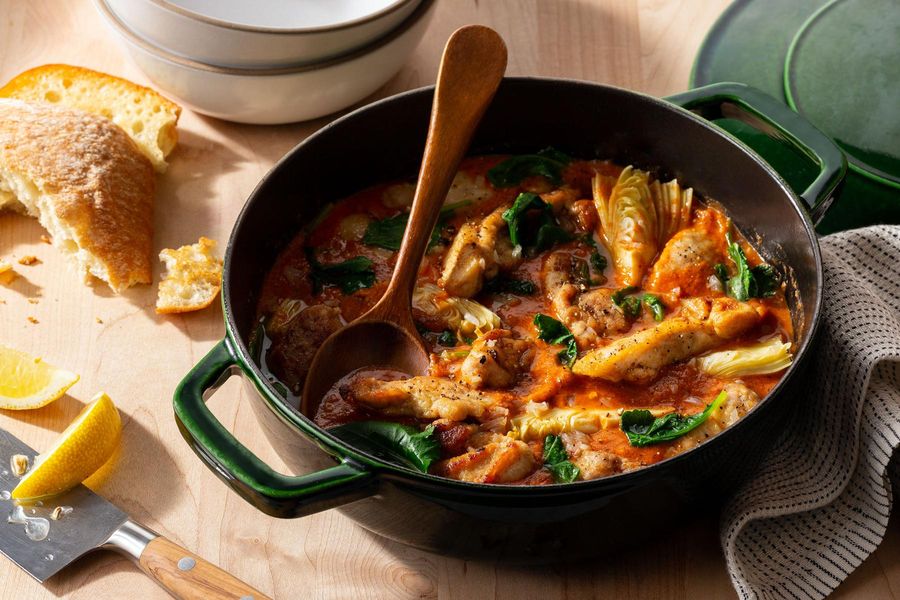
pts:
[268, 61]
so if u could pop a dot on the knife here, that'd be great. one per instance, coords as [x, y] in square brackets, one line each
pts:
[96, 524]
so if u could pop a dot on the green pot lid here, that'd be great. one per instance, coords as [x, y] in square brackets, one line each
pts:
[749, 41]
[842, 72]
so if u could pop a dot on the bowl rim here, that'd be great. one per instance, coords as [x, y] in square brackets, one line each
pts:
[382, 469]
[169, 6]
[133, 38]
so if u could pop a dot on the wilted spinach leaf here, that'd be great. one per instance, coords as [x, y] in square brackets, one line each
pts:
[738, 286]
[760, 281]
[598, 261]
[722, 273]
[402, 443]
[765, 279]
[656, 307]
[547, 163]
[447, 338]
[642, 428]
[388, 233]
[349, 275]
[532, 224]
[553, 332]
[556, 460]
[630, 305]
[501, 285]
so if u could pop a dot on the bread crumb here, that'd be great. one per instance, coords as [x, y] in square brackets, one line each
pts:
[61, 511]
[192, 279]
[29, 260]
[99, 320]
[33, 301]
[18, 464]
[7, 274]
[46, 238]
[33, 321]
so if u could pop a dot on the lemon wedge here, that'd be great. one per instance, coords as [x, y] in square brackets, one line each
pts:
[85, 445]
[28, 382]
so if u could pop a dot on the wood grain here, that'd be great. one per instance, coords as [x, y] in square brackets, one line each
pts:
[119, 344]
[187, 576]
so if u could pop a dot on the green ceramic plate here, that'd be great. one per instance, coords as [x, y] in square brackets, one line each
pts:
[750, 43]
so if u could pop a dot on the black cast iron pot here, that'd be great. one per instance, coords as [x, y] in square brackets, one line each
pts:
[385, 140]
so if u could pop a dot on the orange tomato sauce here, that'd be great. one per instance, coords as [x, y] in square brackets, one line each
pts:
[680, 386]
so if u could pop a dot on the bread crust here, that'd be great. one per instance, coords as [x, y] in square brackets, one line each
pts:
[56, 84]
[87, 183]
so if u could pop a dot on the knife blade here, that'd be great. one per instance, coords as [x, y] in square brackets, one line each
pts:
[96, 523]
[90, 524]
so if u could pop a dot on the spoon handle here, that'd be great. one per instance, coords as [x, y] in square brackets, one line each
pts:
[471, 69]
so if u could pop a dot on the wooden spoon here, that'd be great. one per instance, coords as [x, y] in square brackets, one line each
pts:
[471, 68]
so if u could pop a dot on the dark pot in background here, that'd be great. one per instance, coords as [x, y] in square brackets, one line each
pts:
[384, 141]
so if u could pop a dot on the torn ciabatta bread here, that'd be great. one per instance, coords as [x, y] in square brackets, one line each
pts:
[146, 116]
[87, 183]
[192, 279]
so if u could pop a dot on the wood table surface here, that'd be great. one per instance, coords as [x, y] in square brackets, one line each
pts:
[118, 344]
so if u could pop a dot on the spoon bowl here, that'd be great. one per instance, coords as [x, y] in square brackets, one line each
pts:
[472, 67]
[350, 349]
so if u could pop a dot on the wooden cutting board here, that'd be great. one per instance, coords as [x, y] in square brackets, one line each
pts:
[120, 345]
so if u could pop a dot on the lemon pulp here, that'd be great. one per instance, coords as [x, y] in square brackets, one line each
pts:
[85, 445]
[28, 382]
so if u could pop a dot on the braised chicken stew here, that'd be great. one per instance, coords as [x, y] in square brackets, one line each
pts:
[584, 318]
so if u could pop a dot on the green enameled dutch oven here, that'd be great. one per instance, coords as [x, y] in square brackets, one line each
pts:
[385, 140]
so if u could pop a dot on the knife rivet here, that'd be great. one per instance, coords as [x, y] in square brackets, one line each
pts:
[187, 563]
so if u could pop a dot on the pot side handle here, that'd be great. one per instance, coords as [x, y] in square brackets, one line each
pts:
[776, 120]
[273, 493]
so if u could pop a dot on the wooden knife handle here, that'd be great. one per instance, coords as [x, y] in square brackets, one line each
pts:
[188, 577]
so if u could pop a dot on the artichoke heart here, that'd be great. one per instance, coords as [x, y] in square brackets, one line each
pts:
[538, 425]
[468, 318]
[637, 217]
[768, 356]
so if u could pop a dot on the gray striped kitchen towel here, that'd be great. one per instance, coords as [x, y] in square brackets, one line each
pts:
[820, 504]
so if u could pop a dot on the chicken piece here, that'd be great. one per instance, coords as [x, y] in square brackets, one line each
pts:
[296, 336]
[591, 462]
[504, 461]
[730, 318]
[601, 313]
[496, 359]
[588, 315]
[738, 402]
[493, 239]
[422, 397]
[574, 215]
[463, 272]
[560, 199]
[584, 215]
[686, 264]
[478, 252]
[638, 358]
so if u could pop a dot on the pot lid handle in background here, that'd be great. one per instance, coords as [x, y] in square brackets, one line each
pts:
[775, 120]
